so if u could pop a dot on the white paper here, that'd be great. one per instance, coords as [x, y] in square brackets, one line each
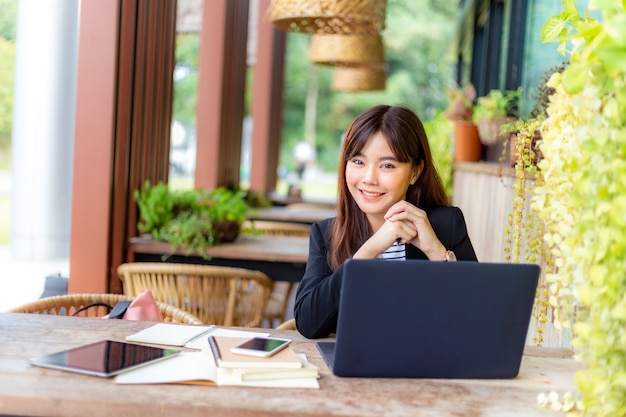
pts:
[170, 334]
[192, 336]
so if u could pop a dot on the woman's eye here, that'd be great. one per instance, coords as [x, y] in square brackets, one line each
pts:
[387, 166]
[357, 162]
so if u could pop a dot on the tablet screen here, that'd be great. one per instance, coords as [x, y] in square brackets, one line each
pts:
[105, 358]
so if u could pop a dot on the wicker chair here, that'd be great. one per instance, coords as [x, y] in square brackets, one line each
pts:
[279, 299]
[66, 305]
[287, 325]
[220, 295]
[276, 308]
[277, 228]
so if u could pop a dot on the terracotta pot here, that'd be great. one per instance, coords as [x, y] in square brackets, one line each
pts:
[467, 146]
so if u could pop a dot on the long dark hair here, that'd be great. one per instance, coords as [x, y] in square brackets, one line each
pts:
[407, 139]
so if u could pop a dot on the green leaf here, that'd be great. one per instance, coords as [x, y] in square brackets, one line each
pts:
[605, 4]
[570, 12]
[616, 28]
[613, 56]
[575, 77]
[552, 30]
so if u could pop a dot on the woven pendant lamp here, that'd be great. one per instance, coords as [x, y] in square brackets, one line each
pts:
[348, 50]
[361, 78]
[329, 16]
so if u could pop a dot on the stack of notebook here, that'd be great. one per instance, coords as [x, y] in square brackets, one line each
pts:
[215, 364]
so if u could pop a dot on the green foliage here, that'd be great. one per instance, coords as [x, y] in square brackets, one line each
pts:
[256, 199]
[416, 69]
[8, 23]
[7, 57]
[496, 105]
[222, 205]
[191, 230]
[582, 196]
[189, 218]
[5, 215]
[155, 207]
[8, 20]
[440, 133]
[185, 88]
[542, 96]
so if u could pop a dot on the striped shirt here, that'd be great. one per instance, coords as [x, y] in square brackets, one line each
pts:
[396, 252]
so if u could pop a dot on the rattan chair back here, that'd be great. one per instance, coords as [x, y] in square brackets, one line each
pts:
[220, 295]
[287, 325]
[277, 228]
[68, 304]
[278, 301]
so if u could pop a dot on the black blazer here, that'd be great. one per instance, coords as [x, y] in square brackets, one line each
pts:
[317, 298]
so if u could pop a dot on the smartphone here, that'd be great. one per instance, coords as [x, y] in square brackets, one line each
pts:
[261, 346]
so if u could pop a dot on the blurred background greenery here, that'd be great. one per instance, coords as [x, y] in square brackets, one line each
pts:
[416, 39]
[8, 24]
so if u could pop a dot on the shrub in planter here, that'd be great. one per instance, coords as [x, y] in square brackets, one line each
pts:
[194, 219]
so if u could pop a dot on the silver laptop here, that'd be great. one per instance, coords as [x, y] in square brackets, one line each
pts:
[423, 319]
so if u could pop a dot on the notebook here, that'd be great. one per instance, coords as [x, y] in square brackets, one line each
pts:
[221, 345]
[422, 319]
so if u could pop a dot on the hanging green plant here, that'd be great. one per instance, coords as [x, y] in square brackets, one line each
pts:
[583, 197]
[524, 231]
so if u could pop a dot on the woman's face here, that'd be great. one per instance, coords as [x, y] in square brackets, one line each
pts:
[376, 179]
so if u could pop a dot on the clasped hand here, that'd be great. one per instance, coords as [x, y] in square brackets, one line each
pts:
[405, 223]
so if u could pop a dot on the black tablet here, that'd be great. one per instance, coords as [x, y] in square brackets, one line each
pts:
[105, 358]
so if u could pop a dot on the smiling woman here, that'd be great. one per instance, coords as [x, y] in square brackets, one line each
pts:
[391, 204]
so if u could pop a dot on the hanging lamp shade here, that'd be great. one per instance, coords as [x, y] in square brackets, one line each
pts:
[349, 50]
[361, 78]
[329, 16]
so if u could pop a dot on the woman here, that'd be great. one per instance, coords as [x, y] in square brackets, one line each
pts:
[391, 204]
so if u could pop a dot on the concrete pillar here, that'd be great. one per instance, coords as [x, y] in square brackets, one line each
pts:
[43, 128]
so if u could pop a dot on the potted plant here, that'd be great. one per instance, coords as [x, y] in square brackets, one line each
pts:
[526, 228]
[467, 146]
[492, 112]
[461, 106]
[523, 137]
[194, 219]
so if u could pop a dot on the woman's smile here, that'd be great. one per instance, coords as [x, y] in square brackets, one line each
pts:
[370, 194]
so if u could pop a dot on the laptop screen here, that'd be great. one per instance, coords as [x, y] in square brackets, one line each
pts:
[433, 319]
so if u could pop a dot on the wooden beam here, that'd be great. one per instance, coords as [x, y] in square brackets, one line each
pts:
[93, 146]
[221, 91]
[267, 103]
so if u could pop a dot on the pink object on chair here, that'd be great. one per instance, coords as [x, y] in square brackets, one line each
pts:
[144, 307]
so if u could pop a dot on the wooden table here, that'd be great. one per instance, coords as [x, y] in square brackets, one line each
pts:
[282, 258]
[32, 391]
